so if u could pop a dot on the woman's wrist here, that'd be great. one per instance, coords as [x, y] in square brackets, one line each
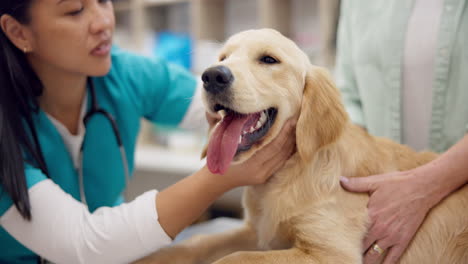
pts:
[426, 188]
[436, 181]
[215, 183]
[183, 202]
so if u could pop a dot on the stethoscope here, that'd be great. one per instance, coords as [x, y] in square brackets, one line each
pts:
[97, 110]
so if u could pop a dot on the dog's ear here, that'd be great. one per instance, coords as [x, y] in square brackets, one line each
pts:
[322, 116]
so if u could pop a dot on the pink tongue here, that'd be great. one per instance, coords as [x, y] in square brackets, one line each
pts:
[224, 142]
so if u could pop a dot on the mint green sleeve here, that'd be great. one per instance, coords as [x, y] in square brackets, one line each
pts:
[33, 176]
[162, 92]
[344, 71]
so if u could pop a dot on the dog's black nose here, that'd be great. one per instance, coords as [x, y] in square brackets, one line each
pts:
[217, 79]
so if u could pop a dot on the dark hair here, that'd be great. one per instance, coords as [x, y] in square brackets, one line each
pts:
[19, 90]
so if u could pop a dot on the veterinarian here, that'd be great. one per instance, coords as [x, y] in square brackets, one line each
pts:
[61, 177]
[404, 77]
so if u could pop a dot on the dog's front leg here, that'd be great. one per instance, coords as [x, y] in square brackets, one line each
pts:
[203, 249]
[288, 256]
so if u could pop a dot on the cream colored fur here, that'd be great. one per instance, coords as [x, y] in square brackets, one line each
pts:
[302, 215]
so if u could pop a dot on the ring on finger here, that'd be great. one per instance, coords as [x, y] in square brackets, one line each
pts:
[376, 248]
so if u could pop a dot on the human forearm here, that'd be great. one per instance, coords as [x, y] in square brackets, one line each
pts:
[62, 229]
[182, 203]
[448, 172]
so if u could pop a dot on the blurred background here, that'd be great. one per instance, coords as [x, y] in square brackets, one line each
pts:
[190, 33]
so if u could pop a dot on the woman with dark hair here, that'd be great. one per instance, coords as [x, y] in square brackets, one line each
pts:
[61, 170]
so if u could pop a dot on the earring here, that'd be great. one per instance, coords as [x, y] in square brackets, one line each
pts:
[25, 49]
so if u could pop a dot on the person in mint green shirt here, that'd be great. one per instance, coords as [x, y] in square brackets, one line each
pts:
[57, 63]
[401, 67]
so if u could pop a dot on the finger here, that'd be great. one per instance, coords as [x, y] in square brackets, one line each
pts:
[370, 238]
[358, 184]
[278, 143]
[280, 158]
[212, 118]
[394, 254]
[368, 242]
[285, 134]
[289, 143]
[373, 255]
[282, 154]
[274, 164]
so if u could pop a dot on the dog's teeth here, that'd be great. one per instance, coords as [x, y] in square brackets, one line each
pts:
[263, 117]
[252, 129]
[258, 125]
[240, 139]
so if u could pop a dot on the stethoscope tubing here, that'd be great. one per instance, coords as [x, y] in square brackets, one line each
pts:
[97, 110]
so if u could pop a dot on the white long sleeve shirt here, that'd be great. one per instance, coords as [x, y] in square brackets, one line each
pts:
[62, 229]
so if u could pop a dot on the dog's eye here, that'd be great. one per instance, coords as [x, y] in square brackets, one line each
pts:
[268, 60]
[222, 57]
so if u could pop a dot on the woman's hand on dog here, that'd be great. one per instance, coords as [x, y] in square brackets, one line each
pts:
[398, 204]
[399, 201]
[265, 162]
[212, 118]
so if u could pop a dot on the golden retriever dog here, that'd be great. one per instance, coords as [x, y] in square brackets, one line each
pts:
[302, 215]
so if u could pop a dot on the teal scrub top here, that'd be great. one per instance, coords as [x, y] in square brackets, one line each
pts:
[136, 87]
